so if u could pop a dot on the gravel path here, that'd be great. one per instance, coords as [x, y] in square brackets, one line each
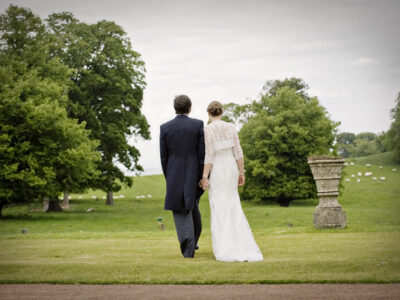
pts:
[246, 291]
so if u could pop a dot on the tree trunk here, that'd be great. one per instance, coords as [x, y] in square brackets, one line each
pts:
[45, 204]
[66, 199]
[54, 205]
[110, 199]
[284, 202]
[1, 209]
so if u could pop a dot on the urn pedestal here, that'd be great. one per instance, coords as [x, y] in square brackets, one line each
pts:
[327, 171]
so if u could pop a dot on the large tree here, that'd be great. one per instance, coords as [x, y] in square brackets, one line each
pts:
[287, 127]
[107, 92]
[42, 150]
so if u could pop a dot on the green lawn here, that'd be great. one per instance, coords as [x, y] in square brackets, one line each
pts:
[123, 243]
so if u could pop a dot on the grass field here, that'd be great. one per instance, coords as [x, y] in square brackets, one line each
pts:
[123, 243]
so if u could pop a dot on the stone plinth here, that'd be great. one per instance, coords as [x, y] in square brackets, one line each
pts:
[327, 171]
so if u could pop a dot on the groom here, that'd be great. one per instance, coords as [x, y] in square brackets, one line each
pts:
[182, 160]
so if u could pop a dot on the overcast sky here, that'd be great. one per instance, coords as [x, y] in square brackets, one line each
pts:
[348, 52]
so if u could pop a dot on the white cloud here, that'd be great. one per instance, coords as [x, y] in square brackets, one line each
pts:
[315, 45]
[321, 94]
[364, 61]
[396, 70]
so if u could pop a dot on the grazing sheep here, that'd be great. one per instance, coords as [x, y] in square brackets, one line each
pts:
[352, 175]
[347, 179]
[394, 170]
[380, 167]
[121, 196]
[382, 178]
[346, 164]
[368, 165]
[358, 180]
[373, 178]
[367, 174]
[359, 174]
[149, 196]
[351, 164]
[94, 197]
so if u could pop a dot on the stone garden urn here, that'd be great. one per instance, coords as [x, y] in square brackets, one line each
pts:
[327, 171]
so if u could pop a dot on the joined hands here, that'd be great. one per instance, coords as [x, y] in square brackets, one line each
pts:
[204, 183]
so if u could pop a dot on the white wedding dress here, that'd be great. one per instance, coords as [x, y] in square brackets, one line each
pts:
[232, 238]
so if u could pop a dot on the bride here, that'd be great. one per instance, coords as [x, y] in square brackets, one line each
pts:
[232, 238]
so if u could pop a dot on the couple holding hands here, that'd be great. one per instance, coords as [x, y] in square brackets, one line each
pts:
[194, 158]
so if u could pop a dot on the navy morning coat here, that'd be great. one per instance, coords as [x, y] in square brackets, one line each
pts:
[182, 160]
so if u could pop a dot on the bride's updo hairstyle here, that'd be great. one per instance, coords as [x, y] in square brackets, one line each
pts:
[215, 108]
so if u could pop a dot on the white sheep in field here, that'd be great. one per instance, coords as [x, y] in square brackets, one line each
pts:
[347, 179]
[351, 164]
[359, 174]
[380, 167]
[94, 197]
[352, 175]
[80, 197]
[394, 170]
[382, 178]
[368, 174]
[373, 178]
[122, 196]
[149, 196]
[346, 164]
[368, 165]
[358, 180]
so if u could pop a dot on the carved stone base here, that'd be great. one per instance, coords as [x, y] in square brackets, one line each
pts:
[333, 217]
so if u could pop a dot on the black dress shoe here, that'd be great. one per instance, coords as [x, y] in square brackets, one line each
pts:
[197, 248]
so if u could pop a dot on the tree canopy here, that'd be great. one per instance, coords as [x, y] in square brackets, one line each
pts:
[287, 127]
[107, 91]
[42, 150]
[70, 100]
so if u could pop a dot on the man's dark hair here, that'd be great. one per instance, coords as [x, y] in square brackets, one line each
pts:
[182, 104]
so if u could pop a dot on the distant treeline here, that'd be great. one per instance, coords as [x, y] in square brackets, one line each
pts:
[362, 144]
